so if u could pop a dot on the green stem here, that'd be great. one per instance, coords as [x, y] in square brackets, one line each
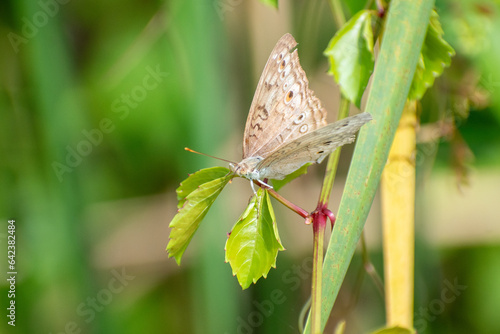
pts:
[337, 12]
[303, 315]
[319, 223]
[369, 268]
[333, 160]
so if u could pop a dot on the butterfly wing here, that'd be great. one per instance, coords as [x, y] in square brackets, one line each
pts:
[312, 147]
[283, 107]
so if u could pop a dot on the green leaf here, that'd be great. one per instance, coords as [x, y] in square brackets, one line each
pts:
[350, 53]
[395, 330]
[195, 180]
[435, 56]
[273, 3]
[197, 193]
[253, 244]
[277, 184]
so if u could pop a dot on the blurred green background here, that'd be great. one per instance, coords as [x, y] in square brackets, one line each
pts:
[99, 99]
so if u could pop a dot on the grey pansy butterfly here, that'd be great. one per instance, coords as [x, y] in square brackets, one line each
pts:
[286, 126]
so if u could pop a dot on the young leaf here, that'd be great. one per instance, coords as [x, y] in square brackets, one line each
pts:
[277, 184]
[435, 56]
[253, 244]
[350, 53]
[273, 3]
[197, 179]
[197, 193]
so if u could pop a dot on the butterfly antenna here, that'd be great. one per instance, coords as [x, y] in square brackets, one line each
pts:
[208, 155]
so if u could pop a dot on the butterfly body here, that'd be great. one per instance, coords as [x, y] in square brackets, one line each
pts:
[286, 126]
[247, 168]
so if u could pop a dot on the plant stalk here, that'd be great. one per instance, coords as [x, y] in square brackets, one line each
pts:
[319, 223]
[398, 221]
[295, 208]
[333, 160]
[337, 12]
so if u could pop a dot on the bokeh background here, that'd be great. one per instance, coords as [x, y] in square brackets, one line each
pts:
[98, 100]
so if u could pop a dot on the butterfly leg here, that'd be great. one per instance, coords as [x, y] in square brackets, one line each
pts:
[262, 183]
[253, 189]
[265, 184]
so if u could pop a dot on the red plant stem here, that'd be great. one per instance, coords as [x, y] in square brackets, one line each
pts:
[303, 213]
[330, 215]
[380, 8]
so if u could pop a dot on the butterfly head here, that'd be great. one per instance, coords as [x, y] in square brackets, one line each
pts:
[247, 168]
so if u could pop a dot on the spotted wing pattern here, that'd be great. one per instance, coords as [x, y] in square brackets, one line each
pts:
[312, 147]
[283, 107]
